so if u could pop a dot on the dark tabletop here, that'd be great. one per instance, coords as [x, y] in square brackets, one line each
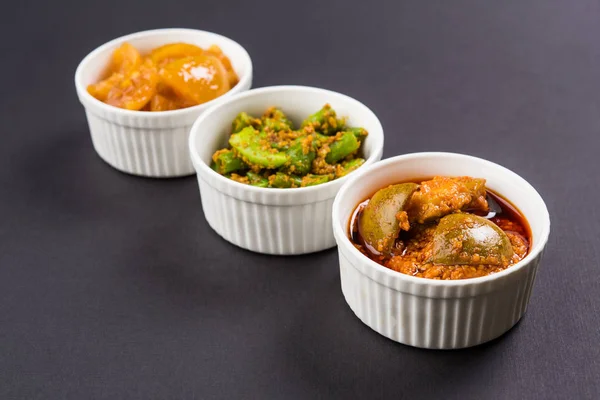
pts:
[115, 287]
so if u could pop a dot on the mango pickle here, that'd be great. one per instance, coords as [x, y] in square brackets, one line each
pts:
[281, 180]
[301, 155]
[227, 161]
[325, 121]
[254, 150]
[255, 179]
[343, 146]
[243, 120]
[348, 166]
[274, 113]
[269, 152]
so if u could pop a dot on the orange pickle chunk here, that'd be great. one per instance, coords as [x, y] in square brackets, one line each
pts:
[197, 79]
[170, 77]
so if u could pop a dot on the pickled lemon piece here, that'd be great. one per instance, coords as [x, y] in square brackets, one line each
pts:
[136, 89]
[197, 79]
[170, 52]
[101, 89]
[379, 224]
[466, 239]
[125, 58]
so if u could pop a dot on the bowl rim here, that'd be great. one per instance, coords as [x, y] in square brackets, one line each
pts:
[85, 62]
[340, 231]
[205, 169]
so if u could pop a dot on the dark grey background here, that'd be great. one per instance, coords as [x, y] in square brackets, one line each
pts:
[114, 287]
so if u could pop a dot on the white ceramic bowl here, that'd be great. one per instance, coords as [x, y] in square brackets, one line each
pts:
[274, 221]
[429, 313]
[150, 143]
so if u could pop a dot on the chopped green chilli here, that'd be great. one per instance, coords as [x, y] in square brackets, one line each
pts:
[270, 152]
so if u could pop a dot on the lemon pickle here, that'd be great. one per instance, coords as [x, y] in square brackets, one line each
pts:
[440, 228]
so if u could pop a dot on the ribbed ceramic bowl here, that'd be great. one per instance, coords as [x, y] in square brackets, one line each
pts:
[430, 313]
[273, 221]
[142, 143]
